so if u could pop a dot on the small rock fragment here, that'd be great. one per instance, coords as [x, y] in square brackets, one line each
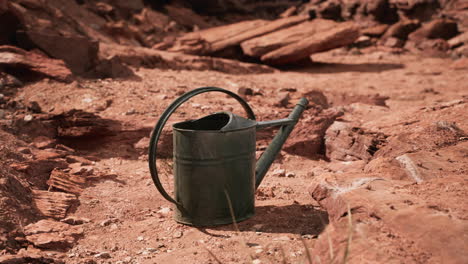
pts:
[283, 99]
[34, 107]
[104, 255]
[164, 210]
[28, 118]
[73, 220]
[178, 234]
[279, 173]
[243, 91]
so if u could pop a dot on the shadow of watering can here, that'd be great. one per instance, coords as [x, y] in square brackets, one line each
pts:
[215, 173]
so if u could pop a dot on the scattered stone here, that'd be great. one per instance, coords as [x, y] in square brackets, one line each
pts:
[438, 28]
[43, 142]
[290, 175]
[164, 210]
[2, 114]
[28, 118]
[130, 112]
[24, 150]
[317, 98]
[178, 234]
[74, 220]
[256, 261]
[103, 255]
[375, 31]
[79, 169]
[283, 99]
[257, 227]
[243, 91]
[363, 41]
[140, 238]
[78, 159]
[143, 143]
[401, 29]
[279, 173]
[108, 221]
[393, 42]
[35, 107]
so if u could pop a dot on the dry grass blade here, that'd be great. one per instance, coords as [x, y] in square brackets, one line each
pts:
[213, 255]
[283, 255]
[330, 244]
[234, 222]
[307, 251]
[350, 236]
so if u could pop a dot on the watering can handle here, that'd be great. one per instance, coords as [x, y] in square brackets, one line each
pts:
[152, 155]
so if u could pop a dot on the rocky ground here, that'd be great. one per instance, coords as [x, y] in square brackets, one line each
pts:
[374, 172]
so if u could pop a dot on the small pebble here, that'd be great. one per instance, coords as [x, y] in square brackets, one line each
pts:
[104, 255]
[28, 118]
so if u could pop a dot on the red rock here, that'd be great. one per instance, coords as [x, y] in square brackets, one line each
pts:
[347, 143]
[150, 58]
[459, 40]
[66, 182]
[401, 29]
[289, 12]
[47, 154]
[20, 59]
[79, 53]
[341, 35]
[393, 42]
[51, 234]
[43, 142]
[381, 207]
[53, 204]
[256, 47]
[317, 98]
[438, 28]
[375, 31]
[78, 159]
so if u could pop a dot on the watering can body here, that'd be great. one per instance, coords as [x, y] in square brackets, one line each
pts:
[212, 163]
[215, 168]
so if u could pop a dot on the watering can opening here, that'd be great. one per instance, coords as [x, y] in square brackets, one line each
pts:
[222, 121]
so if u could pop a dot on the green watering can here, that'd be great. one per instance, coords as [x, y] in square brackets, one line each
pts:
[215, 173]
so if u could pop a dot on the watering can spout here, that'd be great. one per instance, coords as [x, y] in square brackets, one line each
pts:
[287, 125]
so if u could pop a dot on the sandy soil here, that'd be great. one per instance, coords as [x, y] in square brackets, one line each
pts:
[131, 221]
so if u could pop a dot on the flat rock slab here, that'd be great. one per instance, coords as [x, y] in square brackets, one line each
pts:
[51, 234]
[79, 53]
[19, 59]
[259, 46]
[341, 35]
[151, 58]
[53, 204]
[66, 182]
[382, 209]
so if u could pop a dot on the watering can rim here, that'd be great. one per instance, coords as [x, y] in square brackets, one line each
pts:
[246, 124]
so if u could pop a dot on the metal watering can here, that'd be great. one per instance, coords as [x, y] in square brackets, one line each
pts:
[215, 173]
